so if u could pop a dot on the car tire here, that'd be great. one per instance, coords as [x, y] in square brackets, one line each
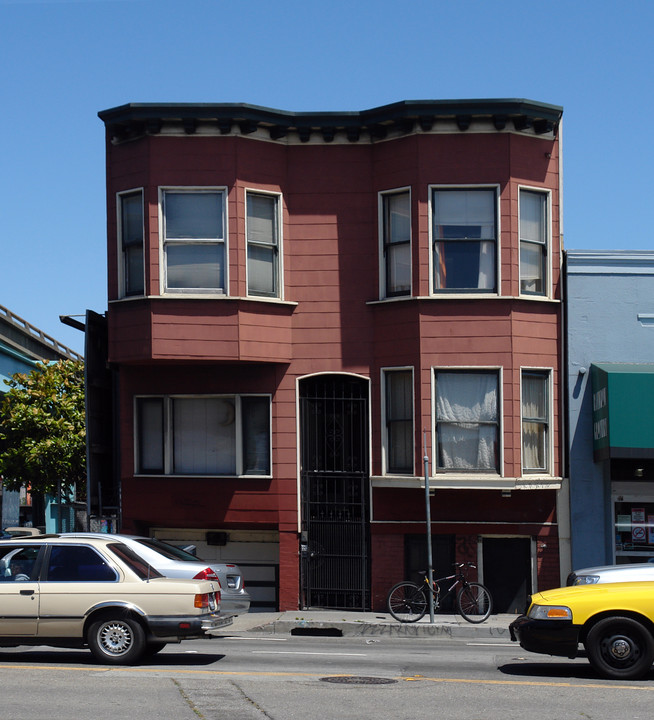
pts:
[620, 648]
[152, 648]
[116, 640]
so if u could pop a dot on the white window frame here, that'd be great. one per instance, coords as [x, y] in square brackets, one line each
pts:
[192, 189]
[463, 474]
[547, 373]
[122, 264]
[279, 266]
[383, 262]
[168, 430]
[467, 292]
[385, 372]
[547, 280]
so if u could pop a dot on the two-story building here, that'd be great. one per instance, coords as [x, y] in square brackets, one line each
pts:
[303, 306]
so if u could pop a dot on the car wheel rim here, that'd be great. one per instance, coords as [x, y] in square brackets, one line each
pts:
[620, 650]
[115, 638]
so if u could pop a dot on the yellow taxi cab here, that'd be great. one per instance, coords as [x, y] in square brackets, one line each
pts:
[614, 622]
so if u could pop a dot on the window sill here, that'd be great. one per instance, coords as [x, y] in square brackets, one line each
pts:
[472, 481]
[462, 296]
[206, 296]
[163, 476]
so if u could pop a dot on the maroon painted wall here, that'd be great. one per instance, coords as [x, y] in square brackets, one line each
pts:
[331, 320]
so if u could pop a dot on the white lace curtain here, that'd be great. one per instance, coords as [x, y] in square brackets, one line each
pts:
[467, 420]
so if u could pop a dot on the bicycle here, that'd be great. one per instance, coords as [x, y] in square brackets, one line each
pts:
[407, 601]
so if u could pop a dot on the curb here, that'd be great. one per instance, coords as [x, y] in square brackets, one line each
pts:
[497, 628]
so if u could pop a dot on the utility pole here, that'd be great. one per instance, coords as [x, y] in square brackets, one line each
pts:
[430, 569]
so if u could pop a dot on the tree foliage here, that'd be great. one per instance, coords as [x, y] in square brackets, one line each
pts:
[42, 429]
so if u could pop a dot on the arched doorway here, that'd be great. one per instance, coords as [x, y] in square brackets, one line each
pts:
[334, 487]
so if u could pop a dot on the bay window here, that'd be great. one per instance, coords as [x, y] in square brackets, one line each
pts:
[467, 421]
[204, 435]
[130, 228]
[194, 240]
[464, 236]
[263, 244]
[396, 239]
[535, 421]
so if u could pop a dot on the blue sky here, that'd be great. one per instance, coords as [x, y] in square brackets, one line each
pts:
[64, 60]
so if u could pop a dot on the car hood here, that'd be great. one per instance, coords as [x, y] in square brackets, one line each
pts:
[566, 595]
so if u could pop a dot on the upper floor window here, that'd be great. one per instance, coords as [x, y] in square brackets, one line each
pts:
[205, 435]
[464, 235]
[194, 240]
[535, 421]
[533, 242]
[467, 421]
[399, 452]
[263, 244]
[130, 229]
[396, 239]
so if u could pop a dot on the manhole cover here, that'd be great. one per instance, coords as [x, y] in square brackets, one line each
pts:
[358, 680]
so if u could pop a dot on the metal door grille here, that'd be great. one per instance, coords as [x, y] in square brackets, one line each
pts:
[334, 486]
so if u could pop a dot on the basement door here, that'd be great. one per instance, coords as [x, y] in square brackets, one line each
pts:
[507, 572]
[334, 486]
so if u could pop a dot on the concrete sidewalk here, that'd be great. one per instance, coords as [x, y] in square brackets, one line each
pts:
[336, 623]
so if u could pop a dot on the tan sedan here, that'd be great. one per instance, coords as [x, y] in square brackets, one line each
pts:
[100, 594]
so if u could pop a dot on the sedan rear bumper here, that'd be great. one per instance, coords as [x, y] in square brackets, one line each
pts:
[184, 628]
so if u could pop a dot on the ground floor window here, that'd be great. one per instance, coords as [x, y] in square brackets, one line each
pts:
[467, 420]
[206, 435]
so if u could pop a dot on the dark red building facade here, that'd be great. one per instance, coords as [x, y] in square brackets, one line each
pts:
[302, 306]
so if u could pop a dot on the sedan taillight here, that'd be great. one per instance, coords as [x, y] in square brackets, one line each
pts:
[206, 574]
[207, 600]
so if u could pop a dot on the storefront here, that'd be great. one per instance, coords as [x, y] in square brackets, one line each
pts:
[623, 441]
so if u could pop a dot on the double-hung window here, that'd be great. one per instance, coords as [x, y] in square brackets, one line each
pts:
[396, 239]
[194, 240]
[204, 435]
[263, 244]
[535, 421]
[399, 452]
[464, 236]
[533, 242]
[467, 421]
[130, 228]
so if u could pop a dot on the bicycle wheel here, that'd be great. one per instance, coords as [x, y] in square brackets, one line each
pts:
[406, 602]
[474, 602]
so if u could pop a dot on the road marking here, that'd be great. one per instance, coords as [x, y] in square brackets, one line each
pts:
[302, 652]
[259, 639]
[491, 645]
[247, 673]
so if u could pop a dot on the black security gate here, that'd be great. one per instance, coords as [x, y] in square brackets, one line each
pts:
[334, 488]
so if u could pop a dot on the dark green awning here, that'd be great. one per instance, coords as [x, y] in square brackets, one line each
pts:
[623, 410]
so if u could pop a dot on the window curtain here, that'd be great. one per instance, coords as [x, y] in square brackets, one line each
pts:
[534, 413]
[151, 435]
[256, 435]
[204, 436]
[467, 421]
[399, 413]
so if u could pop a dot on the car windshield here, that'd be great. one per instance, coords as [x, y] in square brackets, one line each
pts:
[136, 563]
[169, 551]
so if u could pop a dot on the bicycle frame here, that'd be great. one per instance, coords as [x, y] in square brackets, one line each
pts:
[438, 595]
